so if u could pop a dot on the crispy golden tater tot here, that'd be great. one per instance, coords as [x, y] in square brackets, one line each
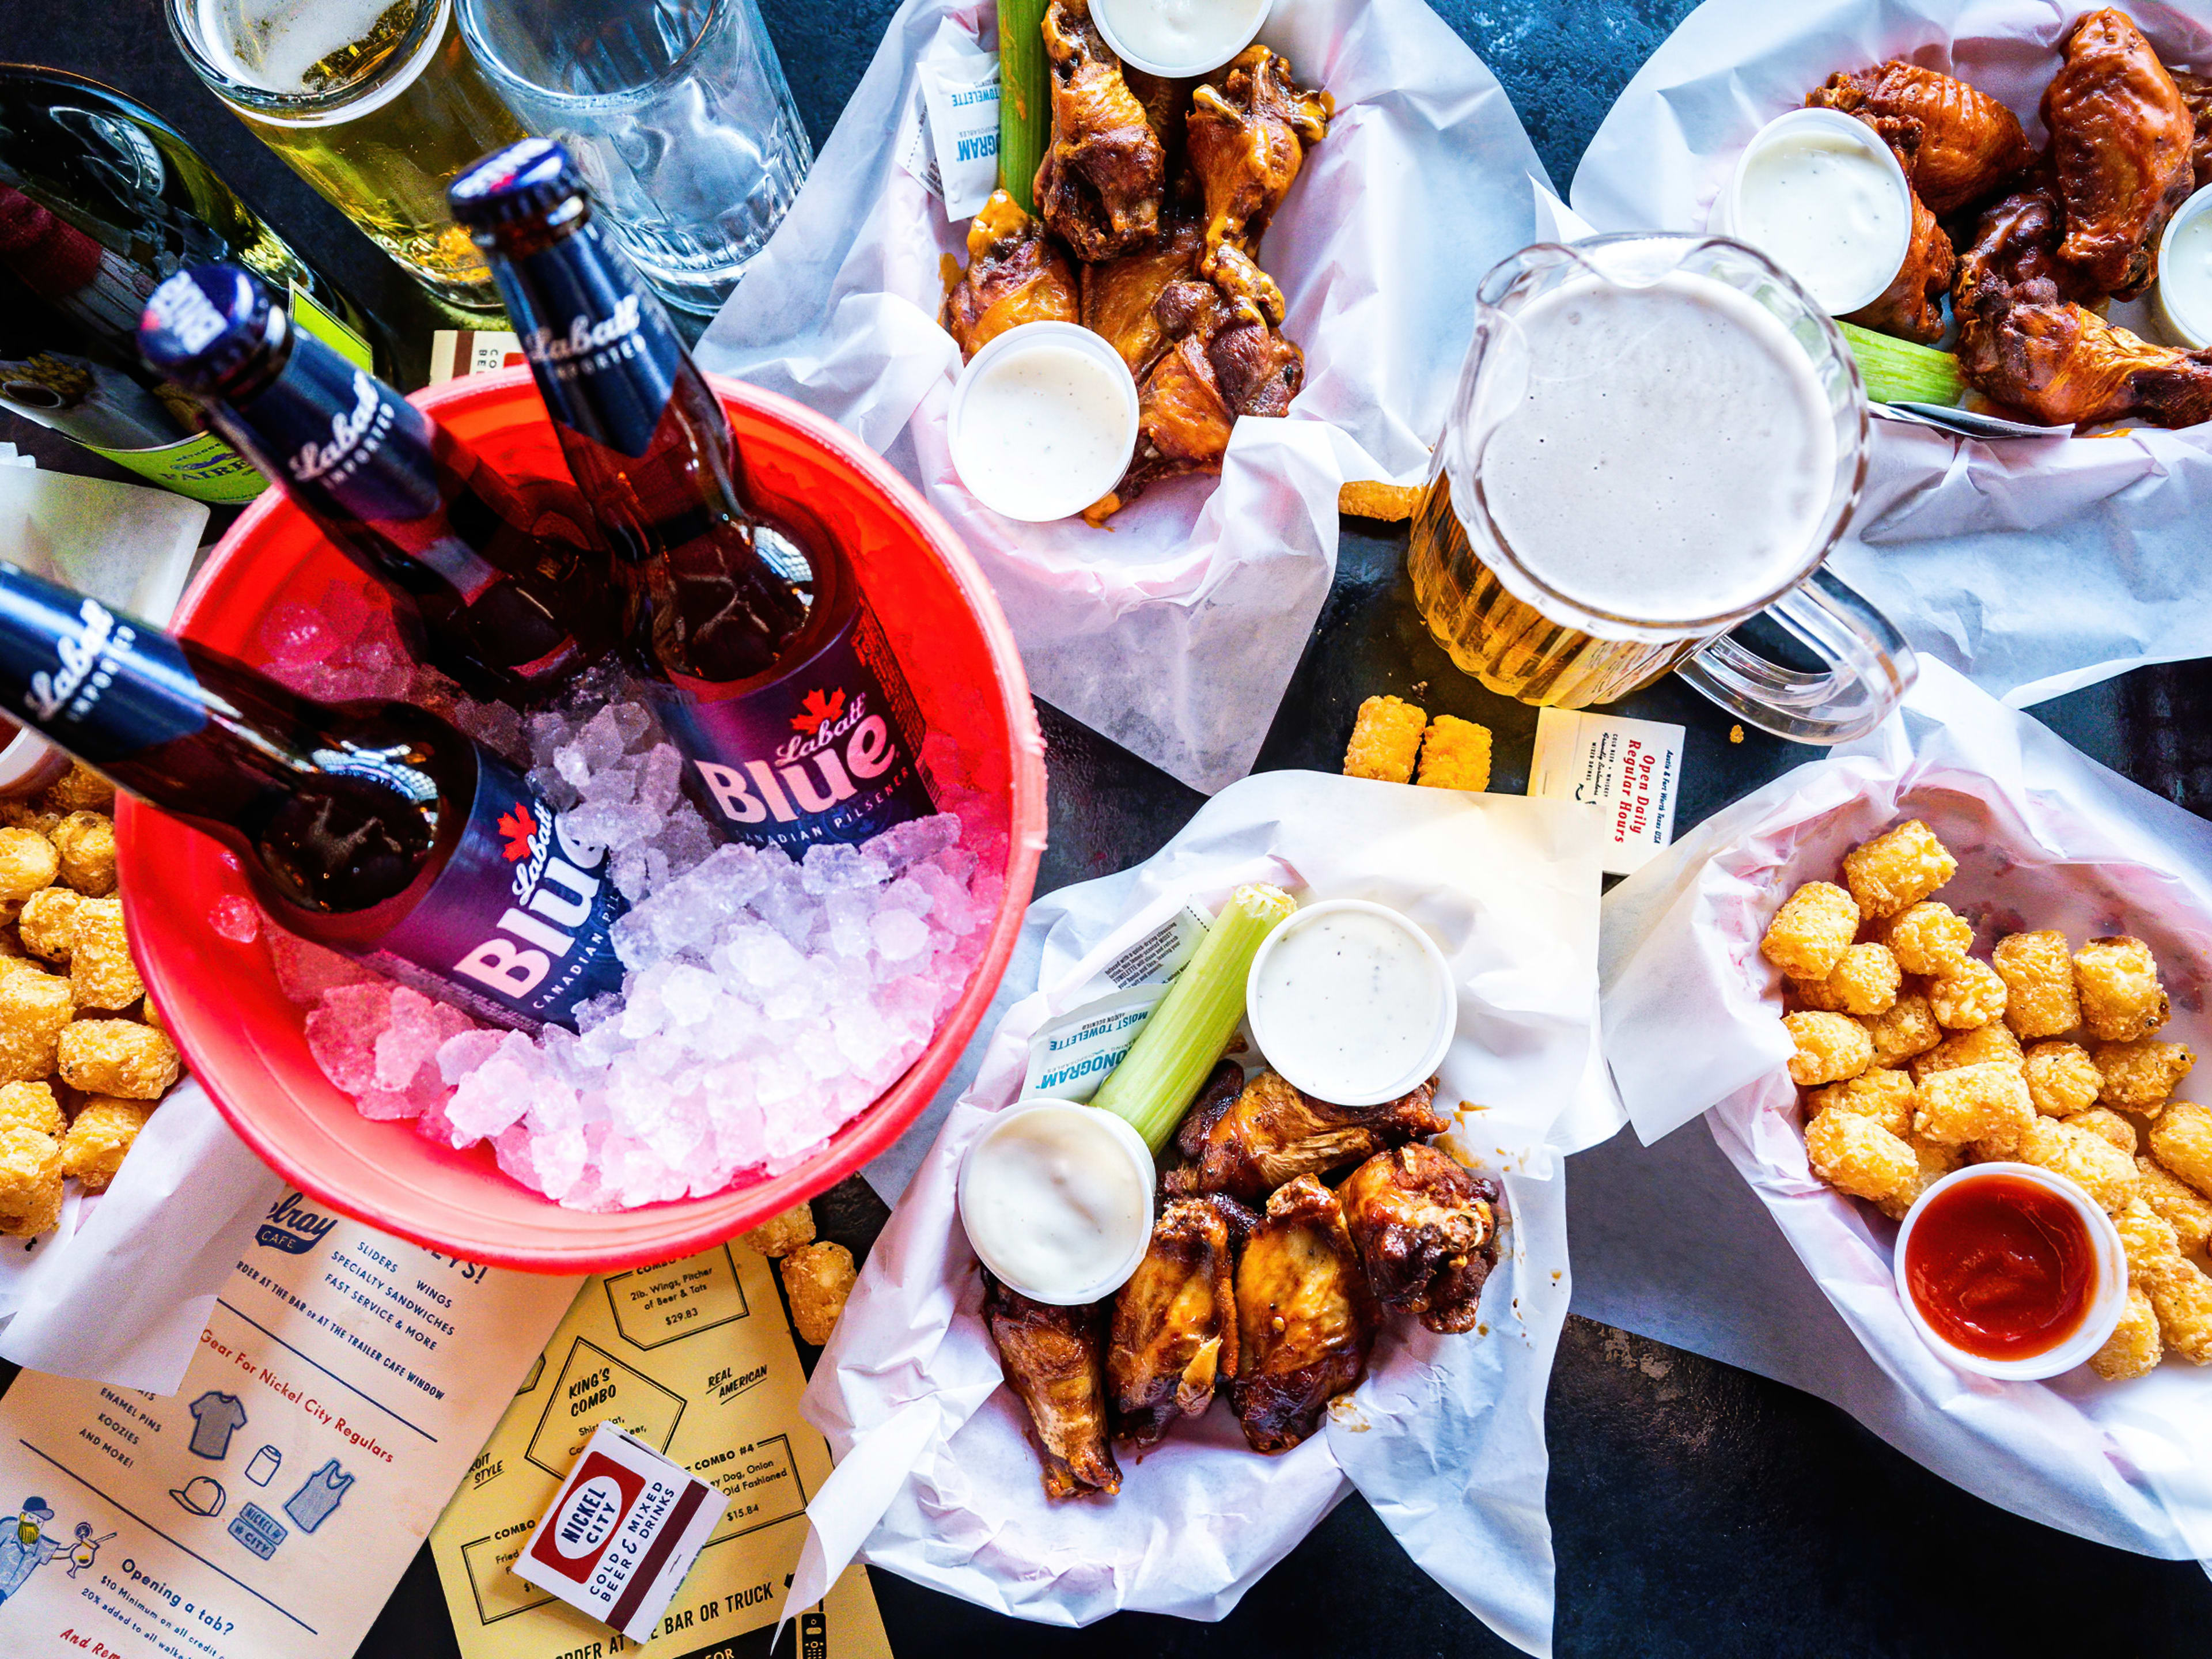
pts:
[2062, 1078]
[818, 1278]
[1384, 740]
[1856, 1155]
[2147, 1238]
[2116, 979]
[100, 1137]
[2134, 1348]
[1831, 1048]
[27, 863]
[1454, 754]
[33, 1009]
[783, 1232]
[101, 972]
[1811, 931]
[2182, 1208]
[2099, 1168]
[1930, 938]
[2106, 1126]
[1935, 1162]
[1904, 1030]
[1971, 995]
[2140, 1076]
[86, 844]
[117, 1057]
[30, 1182]
[1897, 869]
[2182, 1297]
[1992, 1042]
[2181, 1139]
[31, 1106]
[1985, 1105]
[48, 924]
[80, 790]
[1878, 1094]
[1865, 981]
[2038, 970]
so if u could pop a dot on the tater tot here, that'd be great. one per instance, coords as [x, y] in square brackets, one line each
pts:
[86, 844]
[1865, 981]
[2182, 1208]
[116, 1057]
[2107, 1126]
[31, 1106]
[48, 924]
[2099, 1168]
[80, 790]
[1904, 1031]
[783, 1232]
[2116, 979]
[1984, 1043]
[1897, 869]
[1385, 738]
[1454, 755]
[2181, 1139]
[1831, 1048]
[1811, 931]
[1878, 1094]
[29, 815]
[1856, 1155]
[1930, 937]
[1985, 1104]
[2134, 1348]
[30, 1182]
[2037, 971]
[27, 863]
[2140, 1076]
[1971, 995]
[2062, 1078]
[817, 1279]
[101, 972]
[100, 1137]
[1935, 1162]
[34, 1006]
[2181, 1296]
[2148, 1240]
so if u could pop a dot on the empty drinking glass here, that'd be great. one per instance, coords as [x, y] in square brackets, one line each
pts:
[677, 111]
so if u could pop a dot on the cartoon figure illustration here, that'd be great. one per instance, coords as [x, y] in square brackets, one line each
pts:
[310, 1505]
[25, 1547]
[263, 1469]
[203, 1495]
[215, 1417]
[86, 1550]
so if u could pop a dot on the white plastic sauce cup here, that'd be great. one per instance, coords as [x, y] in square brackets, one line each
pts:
[1074, 493]
[1116, 1264]
[1443, 1009]
[1102, 11]
[2183, 311]
[2108, 1299]
[1727, 217]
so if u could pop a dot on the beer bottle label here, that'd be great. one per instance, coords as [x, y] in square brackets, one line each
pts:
[516, 928]
[346, 445]
[203, 467]
[829, 749]
[606, 357]
[103, 687]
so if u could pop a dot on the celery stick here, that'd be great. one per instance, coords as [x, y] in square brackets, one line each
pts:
[1165, 1067]
[1899, 372]
[1024, 98]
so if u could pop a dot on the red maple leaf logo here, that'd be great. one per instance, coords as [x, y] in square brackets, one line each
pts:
[816, 711]
[519, 828]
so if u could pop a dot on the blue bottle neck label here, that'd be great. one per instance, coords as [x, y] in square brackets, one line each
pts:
[606, 357]
[346, 445]
[517, 927]
[825, 748]
[102, 686]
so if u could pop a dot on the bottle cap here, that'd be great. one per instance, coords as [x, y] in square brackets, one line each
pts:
[205, 323]
[527, 183]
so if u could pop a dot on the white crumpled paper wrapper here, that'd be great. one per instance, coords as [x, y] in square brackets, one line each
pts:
[120, 1292]
[2045, 838]
[2033, 565]
[936, 1478]
[1175, 631]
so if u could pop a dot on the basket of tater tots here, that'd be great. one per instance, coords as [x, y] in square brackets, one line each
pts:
[1941, 996]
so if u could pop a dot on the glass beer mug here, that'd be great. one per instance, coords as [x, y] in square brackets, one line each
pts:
[1655, 438]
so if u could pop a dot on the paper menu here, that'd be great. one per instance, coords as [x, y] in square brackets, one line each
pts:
[696, 1358]
[343, 1382]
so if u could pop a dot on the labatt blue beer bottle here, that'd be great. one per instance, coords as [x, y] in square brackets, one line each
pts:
[504, 594]
[375, 829]
[772, 672]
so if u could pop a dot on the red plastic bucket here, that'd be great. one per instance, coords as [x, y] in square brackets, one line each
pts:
[246, 1043]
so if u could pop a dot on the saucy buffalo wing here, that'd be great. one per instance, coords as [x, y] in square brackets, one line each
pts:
[1055, 1362]
[1306, 1320]
[1424, 1231]
[2120, 141]
[1099, 186]
[1175, 1322]
[1273, 1132]
[1963, 142]
[1015, 275]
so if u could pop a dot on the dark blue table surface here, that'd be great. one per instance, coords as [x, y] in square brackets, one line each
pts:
[1696, 1508]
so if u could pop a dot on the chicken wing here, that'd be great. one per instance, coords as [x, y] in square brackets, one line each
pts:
[1098, 188]
[2120, 138]
[1911, 306]
[1055, 1362]
[1165, 103]
[1305, 1318]
[2196, 91]
[1968, 143]
[1274, 1133]
[1426, 1231]
[1119, 295]
[1248, 134]
[2063, 364]
[1015, 275]
[1175, 1322]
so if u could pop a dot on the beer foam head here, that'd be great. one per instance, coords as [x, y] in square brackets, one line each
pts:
[274, 44]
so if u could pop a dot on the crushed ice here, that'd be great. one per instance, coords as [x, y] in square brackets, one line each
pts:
[765, 1002]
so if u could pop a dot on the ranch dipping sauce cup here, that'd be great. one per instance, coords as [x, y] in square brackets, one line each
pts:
[1056, 1198]
[2184, 294]
[1819, 193]
[1351, 1002]
[1177, 38]
[1043, 422]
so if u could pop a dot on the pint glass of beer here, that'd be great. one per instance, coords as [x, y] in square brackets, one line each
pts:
[1655, 438]
[376, 103]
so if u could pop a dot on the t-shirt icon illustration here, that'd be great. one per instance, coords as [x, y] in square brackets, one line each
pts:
[215, 1417]
[310, 1505]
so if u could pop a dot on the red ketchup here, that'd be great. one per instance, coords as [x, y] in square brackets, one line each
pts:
[2002, 1267]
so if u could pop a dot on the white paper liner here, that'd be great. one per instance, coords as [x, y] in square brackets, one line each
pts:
[936, 1480]
[2034, 567]
[1175, 632]
[2045, 838]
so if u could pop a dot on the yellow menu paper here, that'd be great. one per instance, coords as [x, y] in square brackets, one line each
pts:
[266, 1509]
[696, 1360]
